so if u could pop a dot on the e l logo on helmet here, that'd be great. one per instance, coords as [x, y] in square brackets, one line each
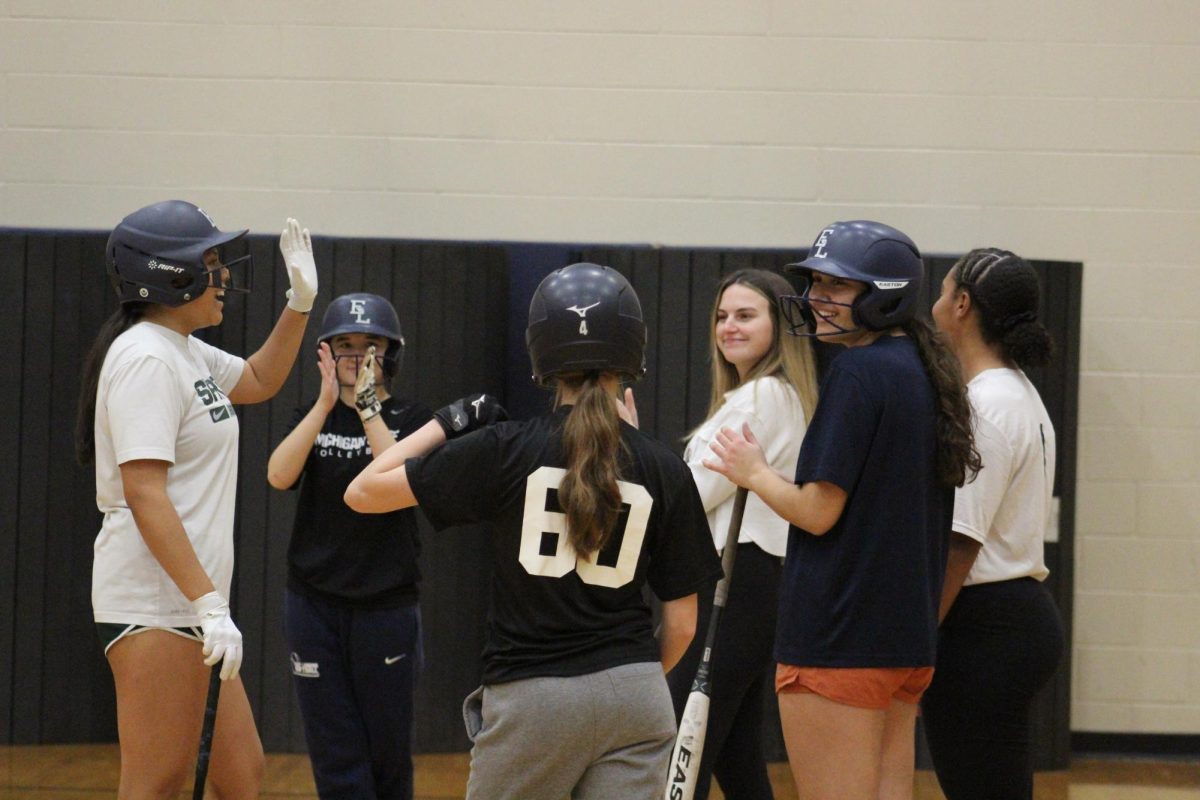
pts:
[819, 245]
[359, 309]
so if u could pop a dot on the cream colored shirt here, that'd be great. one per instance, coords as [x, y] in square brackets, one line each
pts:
[773, 409]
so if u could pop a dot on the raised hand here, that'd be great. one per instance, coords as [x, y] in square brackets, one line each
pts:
[470, 413]
[627, 409]
[328, 396]
[296, 246]
[364, 388]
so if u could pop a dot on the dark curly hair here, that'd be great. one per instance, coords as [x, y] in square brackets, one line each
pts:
[958, 459]
[1004, 288]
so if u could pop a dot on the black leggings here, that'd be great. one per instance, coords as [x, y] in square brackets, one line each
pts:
[742, 678]
[1000, 644]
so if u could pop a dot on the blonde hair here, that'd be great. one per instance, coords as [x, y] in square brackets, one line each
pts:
[789, 358]
[591, 442]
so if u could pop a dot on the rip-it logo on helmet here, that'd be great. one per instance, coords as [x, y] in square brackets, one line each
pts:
[155, 264]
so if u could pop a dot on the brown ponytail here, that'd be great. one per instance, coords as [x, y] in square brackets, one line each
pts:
[958, 460]
[591, 441]
[85, 421]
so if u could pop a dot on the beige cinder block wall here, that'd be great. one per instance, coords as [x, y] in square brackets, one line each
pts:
[1065, 130]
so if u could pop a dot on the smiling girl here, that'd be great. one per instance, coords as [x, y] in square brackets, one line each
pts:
[156, 417]
[766, 379]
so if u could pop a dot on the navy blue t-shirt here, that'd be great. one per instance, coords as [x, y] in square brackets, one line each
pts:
[866, 593]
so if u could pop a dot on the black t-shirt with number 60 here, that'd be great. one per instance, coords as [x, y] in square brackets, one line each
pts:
[555, 613]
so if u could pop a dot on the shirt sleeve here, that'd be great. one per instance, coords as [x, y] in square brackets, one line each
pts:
[226, 369]
[839, 438]
[976, 503]
[713, 487]
[144, 410]
[684, 560]
[455, 484]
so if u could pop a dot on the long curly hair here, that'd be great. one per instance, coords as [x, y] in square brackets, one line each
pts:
[958, 459]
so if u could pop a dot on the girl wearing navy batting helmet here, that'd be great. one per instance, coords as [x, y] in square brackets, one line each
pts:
[586, 512]
[156, 416]
[1001, 636]
[351, 616]
[870, 512]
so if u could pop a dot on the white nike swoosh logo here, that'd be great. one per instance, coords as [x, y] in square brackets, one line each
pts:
[394, 659]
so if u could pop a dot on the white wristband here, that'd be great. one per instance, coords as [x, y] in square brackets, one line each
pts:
[205, 604]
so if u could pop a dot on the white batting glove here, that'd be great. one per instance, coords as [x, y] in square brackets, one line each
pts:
[222, 639]
[365, 398]
[296, 246]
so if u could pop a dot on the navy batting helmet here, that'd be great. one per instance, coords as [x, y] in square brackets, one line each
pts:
[362, 312]
[585, 317]
[880, 256]
[156, 254]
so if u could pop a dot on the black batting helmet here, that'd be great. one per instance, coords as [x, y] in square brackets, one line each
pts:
[880, 256]
[156, 254]
[585, 317]
[363, 312]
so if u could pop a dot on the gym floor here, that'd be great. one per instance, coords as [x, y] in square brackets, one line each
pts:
[83, 772]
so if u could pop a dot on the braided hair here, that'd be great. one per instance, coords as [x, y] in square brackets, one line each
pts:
[1004, 288]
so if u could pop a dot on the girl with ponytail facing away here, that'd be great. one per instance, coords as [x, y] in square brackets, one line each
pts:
[1001, 636]
[586, 511]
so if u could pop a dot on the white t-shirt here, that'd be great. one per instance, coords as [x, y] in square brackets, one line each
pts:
[1008, 505]
[773, 409]
[162, 396]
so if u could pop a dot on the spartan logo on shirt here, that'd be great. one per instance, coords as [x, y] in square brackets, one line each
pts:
[214, 399]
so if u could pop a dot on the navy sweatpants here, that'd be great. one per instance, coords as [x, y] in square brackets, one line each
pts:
[355, 672]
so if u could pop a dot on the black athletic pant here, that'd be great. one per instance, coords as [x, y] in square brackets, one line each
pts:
[1000, 643]
[742, 677]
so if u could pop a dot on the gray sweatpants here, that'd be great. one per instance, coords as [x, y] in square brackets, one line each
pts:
[601, 736]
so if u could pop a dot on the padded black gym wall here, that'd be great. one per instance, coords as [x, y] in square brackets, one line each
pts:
[463, 309]
[54, 683]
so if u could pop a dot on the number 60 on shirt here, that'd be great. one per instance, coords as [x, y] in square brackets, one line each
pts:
[546, 550]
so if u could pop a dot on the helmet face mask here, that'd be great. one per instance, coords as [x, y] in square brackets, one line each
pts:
[878, 255]
[371, 314]
[585, 318]
[160, 254]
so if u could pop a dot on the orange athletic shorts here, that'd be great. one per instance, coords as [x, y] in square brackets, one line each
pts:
[873, 688]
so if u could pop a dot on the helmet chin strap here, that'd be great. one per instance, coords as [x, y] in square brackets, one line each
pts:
[801, 317]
